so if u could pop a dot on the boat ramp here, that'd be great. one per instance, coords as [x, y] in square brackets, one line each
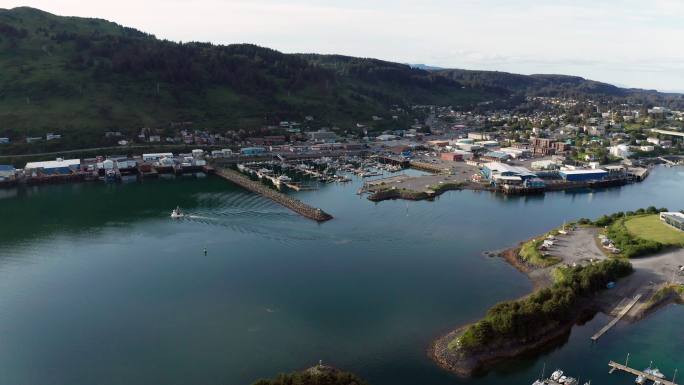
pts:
[615, 320]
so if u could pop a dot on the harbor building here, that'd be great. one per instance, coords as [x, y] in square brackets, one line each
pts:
[583, 175]
[58, 166]
[504, 175]
[674, 219]
[156, 157]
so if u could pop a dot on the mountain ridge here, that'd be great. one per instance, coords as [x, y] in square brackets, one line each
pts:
[85, 76]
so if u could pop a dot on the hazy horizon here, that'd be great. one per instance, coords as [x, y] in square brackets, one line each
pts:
[627, 43]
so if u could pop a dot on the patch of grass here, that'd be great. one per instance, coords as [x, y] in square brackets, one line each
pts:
[651, 228]
[530, 253]
[631, 246]
[665, 292]
[441, 187]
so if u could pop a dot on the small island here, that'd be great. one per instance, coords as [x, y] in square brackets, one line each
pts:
[627, 263]
[317, 375]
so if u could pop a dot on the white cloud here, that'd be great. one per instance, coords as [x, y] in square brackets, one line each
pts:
[630, 42]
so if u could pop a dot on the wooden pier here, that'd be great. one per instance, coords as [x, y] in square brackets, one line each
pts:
[615, 320]
[615, 366]
[257, 187]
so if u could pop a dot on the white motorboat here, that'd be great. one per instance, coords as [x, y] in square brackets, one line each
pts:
[177, 213]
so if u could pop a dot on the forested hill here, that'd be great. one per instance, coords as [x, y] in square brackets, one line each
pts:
[504, 83]
[89, 75]
[82, 77]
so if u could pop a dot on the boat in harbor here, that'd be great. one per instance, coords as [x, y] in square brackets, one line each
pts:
[655, 372]
[177, 213]
[558, 378]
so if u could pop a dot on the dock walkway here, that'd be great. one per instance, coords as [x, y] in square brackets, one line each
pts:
[257, 187]
[615, 366]
[615, 320]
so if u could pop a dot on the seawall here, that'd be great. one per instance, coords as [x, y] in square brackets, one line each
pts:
[257, 187]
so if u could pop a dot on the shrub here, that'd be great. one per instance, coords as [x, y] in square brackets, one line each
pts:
[521, 320]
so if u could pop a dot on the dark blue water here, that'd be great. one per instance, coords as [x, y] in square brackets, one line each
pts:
[98, 285]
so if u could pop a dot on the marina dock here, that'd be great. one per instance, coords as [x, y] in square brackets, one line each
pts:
[615, 320]
[257, 187]
[615, 366]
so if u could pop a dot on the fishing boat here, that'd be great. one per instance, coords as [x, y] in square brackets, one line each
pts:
[177, 213]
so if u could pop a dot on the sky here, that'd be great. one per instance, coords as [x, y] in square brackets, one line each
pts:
[629, 43]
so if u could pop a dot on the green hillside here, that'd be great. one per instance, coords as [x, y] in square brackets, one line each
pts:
[83, 77]
[87, 76]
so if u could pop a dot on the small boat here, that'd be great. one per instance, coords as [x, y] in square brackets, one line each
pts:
[654, 372]
[640, 380]
[177, 213]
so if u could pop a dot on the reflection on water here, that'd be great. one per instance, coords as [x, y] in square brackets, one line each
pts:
[99, 285]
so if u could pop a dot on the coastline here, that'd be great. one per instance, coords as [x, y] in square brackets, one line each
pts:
[573, 249]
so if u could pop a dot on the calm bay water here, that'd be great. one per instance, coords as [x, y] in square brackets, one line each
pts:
[98, 285]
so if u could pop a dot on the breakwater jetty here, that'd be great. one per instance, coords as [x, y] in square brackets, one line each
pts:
[293, 204]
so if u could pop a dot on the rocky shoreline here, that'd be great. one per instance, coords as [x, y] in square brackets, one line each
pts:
[466, 364]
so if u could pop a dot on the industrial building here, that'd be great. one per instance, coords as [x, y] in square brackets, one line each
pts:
[250, 151]
[517, 153]
[545, 165]
[58, 166]
[156, 157]
[673, 219]
[456, 155]
[503, 174]
[583, 175]
[496, 156]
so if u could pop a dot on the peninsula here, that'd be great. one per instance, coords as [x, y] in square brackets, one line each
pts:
[575, 270]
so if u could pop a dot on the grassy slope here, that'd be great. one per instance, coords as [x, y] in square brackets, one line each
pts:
[41, 91]
[650, 227]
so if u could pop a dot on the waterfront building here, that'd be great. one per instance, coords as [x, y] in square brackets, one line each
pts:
[583, 175]
[53, 167]
[674, 219]
[156, 157]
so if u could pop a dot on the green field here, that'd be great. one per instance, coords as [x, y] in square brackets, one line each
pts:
[650, 227]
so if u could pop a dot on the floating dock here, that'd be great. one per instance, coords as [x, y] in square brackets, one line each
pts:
[278, 197]
[615, 366]
[615, 320]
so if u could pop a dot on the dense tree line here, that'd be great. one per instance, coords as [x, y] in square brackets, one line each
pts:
[522, 320]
